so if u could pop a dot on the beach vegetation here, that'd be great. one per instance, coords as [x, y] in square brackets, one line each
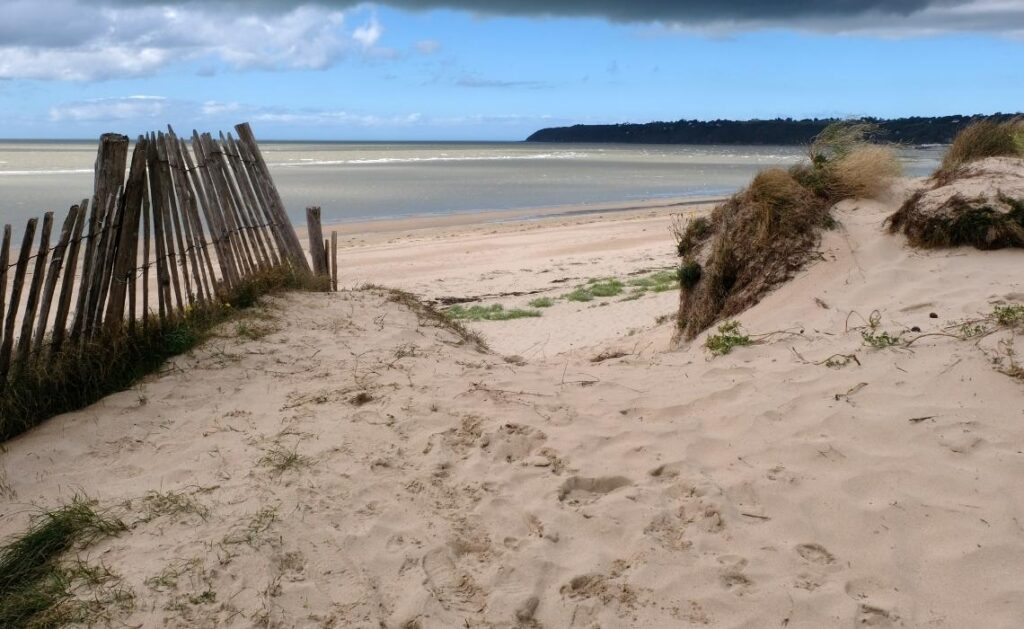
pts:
[658, 282]
[542, 302]
[763, 234]
[960, 221]
[251, 331]
[690, 234]
[280, 459]
[82, 373]
[981, 139]
[495, 312]
[160, 503]
[689, 273]
[39, 587]
[431, 315]
[880, 340]
[596, 287]
[1010, 315]
[730, 336]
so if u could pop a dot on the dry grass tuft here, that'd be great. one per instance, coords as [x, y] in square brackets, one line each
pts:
[981, 139]
[427, 313]
[867, 172]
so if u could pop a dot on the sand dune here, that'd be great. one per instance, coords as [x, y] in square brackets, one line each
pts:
[360, 467]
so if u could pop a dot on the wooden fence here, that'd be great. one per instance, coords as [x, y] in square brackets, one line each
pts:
[173, 227]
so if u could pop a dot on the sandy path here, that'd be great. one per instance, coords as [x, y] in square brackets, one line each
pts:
[657, 489]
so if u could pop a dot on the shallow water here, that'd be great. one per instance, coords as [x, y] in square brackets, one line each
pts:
[358, 181]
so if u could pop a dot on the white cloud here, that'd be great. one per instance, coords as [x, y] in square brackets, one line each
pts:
[368, 33]
[127, 108]
[216, 108]
[140, 40]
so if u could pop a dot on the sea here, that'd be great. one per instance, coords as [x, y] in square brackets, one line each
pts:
[370, 180]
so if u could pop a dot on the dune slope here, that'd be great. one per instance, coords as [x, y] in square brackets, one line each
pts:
[359, 467]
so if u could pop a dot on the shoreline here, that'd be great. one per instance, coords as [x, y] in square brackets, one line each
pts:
[442, 223]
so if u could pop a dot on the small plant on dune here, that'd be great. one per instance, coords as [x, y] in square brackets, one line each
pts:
[37, 589]
[542, 302]
[874, 337]
[280, 459]
[730, 335]
[880, 340]
[1010, 316]
[494, 312]
[981, 139]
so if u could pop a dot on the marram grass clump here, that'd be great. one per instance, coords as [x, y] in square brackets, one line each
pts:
[959, 221]
[82, 373]
[981, 139]
[766, 232]
[37, 588]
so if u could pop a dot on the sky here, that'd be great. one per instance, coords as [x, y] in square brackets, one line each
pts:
[493, 69]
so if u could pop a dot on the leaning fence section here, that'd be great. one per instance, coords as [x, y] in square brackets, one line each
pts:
[179, 224]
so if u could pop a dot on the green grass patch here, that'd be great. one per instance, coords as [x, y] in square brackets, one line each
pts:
[730, 335]
[656, 282]
[495, 312]
[542, 302]
[37, 589]
[596, 287]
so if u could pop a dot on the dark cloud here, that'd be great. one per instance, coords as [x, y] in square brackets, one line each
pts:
[677, 10]
[699, 11]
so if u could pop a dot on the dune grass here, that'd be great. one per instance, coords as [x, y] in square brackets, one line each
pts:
[981, 139]
[495, 312]
[766, 232]
[37, 589]
[959, 221]
[83, 373]
[542, 302]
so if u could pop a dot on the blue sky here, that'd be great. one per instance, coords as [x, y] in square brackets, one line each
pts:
[337, 71]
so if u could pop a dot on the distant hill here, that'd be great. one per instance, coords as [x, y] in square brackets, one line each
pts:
[916, 130]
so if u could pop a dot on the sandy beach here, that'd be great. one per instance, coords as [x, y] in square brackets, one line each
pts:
[353, 464]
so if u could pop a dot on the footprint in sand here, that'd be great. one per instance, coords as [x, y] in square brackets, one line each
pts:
[513, 442]
[870, 616]
[815, 553]
[450, 587]
[584, 490]
[736, 582]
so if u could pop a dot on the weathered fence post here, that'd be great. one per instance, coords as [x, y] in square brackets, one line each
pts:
[334, 261]
[316, 240]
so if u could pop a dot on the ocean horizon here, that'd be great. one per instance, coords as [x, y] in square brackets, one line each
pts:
[358, 181]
